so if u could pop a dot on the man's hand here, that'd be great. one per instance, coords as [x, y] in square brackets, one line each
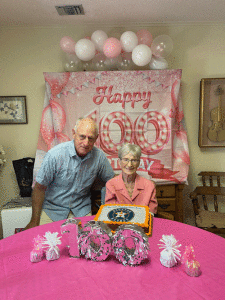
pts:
[38, 196]
[31, 224]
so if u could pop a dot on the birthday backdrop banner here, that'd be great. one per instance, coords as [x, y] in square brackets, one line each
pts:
[138, 107]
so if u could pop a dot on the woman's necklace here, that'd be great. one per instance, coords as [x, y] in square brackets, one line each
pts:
[130, 187]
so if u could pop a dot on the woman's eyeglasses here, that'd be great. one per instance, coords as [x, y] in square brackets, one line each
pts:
[132, 161]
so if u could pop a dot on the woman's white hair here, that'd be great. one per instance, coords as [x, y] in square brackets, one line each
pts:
[127, 148]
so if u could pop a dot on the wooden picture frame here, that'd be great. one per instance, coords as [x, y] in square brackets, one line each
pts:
[212, 113]
[13, 110]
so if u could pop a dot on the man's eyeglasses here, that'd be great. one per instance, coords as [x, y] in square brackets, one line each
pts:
[132, 161]
[83, 137]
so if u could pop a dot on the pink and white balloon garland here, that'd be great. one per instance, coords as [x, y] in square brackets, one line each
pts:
[132, 51]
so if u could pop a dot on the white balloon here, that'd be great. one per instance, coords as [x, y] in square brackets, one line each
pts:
[112, 63]
[129, 41]
[162, 45]
[85, 49]
[71, 58]
[126, 63]
[87, 65]
[158, 63]
[98, 62]
[98, 38]
[72, 63]
[141, 55]
[72, 67]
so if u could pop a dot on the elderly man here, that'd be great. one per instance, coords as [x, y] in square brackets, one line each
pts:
[66, 175]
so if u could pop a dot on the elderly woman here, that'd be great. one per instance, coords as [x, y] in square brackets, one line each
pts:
[129, 187]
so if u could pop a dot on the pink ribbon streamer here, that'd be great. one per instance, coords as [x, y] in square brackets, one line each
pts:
[52, 123]
[180, 142]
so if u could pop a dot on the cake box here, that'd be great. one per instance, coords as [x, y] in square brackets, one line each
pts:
[115, 215]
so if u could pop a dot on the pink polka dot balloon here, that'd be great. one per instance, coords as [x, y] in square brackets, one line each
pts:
[112, 47]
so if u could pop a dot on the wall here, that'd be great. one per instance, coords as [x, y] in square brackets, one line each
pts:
[27, 52]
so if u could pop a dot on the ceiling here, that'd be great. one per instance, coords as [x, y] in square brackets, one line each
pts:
[111, 12]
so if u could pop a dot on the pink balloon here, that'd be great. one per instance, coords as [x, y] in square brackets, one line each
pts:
[67, 44]
[112, 48]
[144, 37]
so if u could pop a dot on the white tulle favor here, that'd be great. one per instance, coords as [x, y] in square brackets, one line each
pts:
[51, 241]
[170, 254]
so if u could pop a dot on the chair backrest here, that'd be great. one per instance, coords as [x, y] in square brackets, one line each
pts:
[211, 187]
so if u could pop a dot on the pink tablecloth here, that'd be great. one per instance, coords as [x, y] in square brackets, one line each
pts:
[71, 278]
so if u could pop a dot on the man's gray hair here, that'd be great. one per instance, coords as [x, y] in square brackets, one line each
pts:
[83, 118]
[127, 148]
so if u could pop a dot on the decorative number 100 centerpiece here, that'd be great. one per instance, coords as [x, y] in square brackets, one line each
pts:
[117, 228]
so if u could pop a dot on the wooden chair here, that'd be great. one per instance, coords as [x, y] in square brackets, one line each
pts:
[213, 221]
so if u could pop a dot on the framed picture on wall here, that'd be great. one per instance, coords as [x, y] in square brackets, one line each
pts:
[13, 110]
[212, 113]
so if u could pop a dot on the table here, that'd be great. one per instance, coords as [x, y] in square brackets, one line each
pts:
[71, 278]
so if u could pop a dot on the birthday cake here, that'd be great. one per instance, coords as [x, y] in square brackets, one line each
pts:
[115, 215]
